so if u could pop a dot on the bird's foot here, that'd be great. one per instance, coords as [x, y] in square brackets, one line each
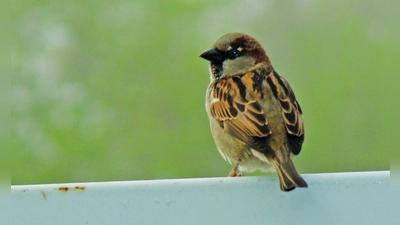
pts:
[234, 173]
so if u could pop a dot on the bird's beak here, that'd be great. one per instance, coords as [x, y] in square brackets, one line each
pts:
[212, 55]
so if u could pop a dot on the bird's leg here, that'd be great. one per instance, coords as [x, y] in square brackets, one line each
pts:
[233, 171]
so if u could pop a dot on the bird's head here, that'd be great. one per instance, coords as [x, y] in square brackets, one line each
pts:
[234, 53]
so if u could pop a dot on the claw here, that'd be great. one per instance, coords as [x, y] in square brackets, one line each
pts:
[233, 171]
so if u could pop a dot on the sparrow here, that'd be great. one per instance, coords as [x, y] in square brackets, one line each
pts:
[255, 119]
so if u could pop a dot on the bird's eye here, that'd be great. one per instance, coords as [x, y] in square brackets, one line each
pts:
[234, 53]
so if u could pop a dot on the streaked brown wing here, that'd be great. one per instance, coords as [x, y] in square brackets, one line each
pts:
[237, 112]
[291, 112]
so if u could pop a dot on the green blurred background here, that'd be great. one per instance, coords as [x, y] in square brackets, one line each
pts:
[115, 90]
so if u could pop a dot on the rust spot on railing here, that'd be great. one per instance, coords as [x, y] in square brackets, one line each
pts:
[76, 188]
[63, 189]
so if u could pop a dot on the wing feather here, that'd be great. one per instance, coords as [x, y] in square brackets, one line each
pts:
[238, 112]
[291, 113]
[241, 115]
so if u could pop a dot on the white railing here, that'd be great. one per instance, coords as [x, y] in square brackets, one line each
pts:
[332, 198]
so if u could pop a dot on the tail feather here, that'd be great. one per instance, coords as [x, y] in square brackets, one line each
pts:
[288, 176]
